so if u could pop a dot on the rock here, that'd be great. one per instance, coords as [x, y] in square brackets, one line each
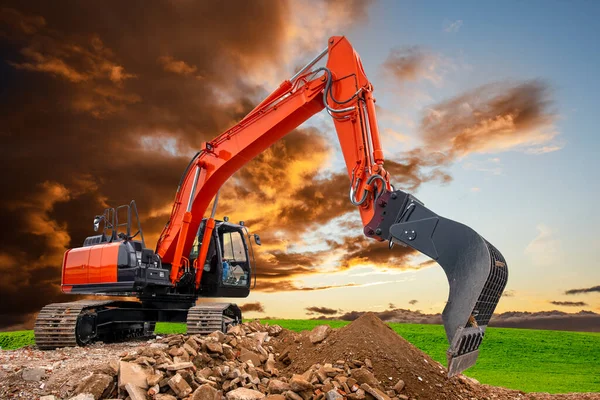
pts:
[399, 386]
[319, 333]
[274, 330]
[206, 392]
[270, 364]
[83, 396]
[135, 374]
[277, 387]
[403, 397]
[180, 386]
[299, 384]
[333, 395]
[164, 396]
[244, 394]
[234, 330]
[250, 355]
[95, 384]
[378, 394]
[214, 347]
[363, 375]
[368, 363]
[33, 374]
[153, 379]
[292, 396]
[135, 392]
[49, 397]
[220, 336]
[178, 366]
[275, 397]
[161, 346]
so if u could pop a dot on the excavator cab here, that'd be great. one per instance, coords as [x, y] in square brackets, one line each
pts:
[229, 267]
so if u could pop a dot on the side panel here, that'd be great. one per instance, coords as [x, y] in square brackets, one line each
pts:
[103, 263]
[75, 266]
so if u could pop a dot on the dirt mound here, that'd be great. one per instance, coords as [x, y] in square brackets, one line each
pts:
[392, 358]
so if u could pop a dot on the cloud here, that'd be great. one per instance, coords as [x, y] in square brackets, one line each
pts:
[413, 302]
[569, 303]
[412, 63]
[454, 26]
[83, 101]
[508, 293]
[322, 310]
[176, 66]
[492, 118]
[584, 290]
[253, 307]
[545, 247]
[391, 306]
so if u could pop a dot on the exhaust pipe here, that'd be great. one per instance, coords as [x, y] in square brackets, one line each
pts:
[477, 273]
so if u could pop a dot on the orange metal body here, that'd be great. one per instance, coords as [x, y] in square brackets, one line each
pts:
[90, 265]
[287, 107]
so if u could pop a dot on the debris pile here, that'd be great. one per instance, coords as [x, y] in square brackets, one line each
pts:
[364, 360]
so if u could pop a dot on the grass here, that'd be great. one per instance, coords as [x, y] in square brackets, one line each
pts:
[523, 359]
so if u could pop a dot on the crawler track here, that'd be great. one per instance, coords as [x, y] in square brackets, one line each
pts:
[56, 324]
[206, 318]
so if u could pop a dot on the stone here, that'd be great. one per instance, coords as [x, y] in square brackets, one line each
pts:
[95, 384]
[298, 383]
[244, 394]
[153, 379]
[275, 397]
[292, 396]
[270, 364]
[399, 386]
[246, 355]
[378, 394]
[135, 374]
[333, 395]
[363, 375]
[274, 330]
[33, 374]
[276, 386]
[403, 397]
[164, 396]
[220, 336]
[179, 386]
[319, 333]
[234, 330]
[368, 363]
[155, 389]
[161, 346]
[49, 397]
[206, 392]
[135, 392]
[83, 396]
[214, 347]
[178, 366]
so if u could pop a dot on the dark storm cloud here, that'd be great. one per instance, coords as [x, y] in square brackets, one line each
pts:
[254, 307]
[569, 303]
[322, 310]
[102, 104]
[584, 290]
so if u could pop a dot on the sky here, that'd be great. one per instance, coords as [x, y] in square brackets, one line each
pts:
[486, 114]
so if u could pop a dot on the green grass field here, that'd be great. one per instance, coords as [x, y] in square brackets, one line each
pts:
[524, 359]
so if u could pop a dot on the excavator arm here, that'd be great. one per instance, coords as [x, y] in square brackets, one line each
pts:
[476, 271]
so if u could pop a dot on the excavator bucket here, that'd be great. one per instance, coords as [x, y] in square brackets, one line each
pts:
[476, 271]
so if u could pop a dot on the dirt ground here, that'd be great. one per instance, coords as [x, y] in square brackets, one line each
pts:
[365, 345]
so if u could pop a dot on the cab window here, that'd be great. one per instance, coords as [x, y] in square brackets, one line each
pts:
[233, 247]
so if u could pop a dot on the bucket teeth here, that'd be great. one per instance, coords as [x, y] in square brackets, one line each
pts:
[476, 271]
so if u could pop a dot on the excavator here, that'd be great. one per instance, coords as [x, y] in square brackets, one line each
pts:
[203, 257]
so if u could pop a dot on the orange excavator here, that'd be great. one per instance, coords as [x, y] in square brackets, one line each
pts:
[198, 256]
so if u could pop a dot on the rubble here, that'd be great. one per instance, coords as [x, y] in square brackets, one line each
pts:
[362, 361]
